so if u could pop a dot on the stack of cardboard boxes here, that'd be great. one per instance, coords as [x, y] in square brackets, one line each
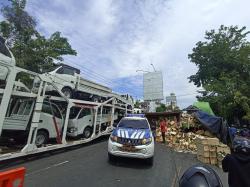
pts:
[210, 150]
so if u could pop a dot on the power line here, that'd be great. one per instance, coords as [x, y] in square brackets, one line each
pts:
[94, 75]
[186, 94]
[87, 70]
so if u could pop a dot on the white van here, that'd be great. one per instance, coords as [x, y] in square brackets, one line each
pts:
[17, 122]
[81, 121]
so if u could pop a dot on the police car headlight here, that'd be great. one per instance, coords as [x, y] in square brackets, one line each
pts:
[113, 138]
[146, 141]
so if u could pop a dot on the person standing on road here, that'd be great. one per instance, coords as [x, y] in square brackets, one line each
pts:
[153, 128]
[163, 127]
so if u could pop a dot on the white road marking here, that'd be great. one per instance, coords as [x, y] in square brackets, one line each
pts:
[55, 165]
[44, 169]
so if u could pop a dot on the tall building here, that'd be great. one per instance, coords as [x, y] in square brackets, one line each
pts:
[153, 86]
[171, 100]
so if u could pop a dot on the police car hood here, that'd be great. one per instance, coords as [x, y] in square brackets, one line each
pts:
[131, 133]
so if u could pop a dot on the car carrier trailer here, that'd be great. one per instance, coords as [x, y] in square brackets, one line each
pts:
[12, 89]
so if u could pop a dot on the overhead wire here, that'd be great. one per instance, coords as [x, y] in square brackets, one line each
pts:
[87, 70]
[100, 78]
[93, 75]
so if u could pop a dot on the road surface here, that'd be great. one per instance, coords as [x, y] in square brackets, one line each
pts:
[88, 166]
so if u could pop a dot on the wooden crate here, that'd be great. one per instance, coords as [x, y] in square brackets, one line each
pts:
[203, 159]
[212, 148]
[202, 147]
[223, 149]
[159, 139]
[206, 150]
[204, 153]
[213, 154]
[213, 161]
[207, 141]
[207, 160]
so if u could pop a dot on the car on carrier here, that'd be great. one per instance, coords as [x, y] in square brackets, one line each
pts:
[132, 138]
[17, 122]
[81, 121]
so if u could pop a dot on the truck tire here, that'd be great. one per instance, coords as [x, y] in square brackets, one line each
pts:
[150, 161]
[67, 92]
[87, 132]
[42, 137]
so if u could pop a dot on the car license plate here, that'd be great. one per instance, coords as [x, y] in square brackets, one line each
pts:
[128, 148]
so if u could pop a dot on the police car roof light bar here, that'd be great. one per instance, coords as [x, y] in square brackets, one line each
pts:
[136, 115]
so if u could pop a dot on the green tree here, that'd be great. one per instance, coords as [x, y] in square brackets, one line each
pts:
[223, 62]
[31, 50]
[161, 108]
[137, 104]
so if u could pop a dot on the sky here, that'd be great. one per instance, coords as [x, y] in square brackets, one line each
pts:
[114, 38]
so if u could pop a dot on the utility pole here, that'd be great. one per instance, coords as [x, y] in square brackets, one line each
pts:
[153, 66]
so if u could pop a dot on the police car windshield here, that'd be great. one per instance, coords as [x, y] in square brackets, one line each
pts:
[134, 124]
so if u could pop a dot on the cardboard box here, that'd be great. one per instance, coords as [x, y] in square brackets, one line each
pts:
[213, 161]
[203, 159]
[223, 149]
[213, 154]
[207, 141]
[204, 153]
[202, 147]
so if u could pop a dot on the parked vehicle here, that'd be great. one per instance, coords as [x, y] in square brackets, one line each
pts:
[17, 122]
[81, 122]
[132, 138]
[68, 80]
[34, 115]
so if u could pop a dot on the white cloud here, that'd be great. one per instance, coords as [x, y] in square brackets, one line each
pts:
[114, 38]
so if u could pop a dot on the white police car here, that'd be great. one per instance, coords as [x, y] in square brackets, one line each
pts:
[132, 138]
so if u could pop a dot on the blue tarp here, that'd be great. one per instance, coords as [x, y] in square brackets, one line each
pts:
[213, 124]
[216, 126]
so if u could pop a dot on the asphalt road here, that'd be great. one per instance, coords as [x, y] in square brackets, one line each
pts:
[89, 166]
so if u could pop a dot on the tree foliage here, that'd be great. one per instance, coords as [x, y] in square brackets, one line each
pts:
[161, 108]
[31, 50]
[223, 62]
[137, 104]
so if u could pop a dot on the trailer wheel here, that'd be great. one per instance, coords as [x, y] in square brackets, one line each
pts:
[42, 137]
[87, 132]
[67, 92]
